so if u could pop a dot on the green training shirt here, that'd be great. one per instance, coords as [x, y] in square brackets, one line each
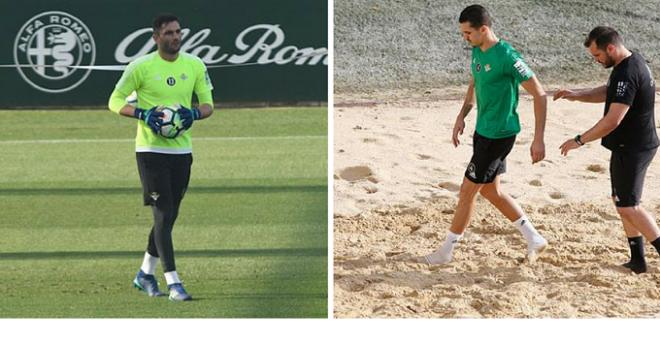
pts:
[497, 73]
[161, 82]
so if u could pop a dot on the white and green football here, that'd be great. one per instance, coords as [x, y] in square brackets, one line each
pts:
[172, 125]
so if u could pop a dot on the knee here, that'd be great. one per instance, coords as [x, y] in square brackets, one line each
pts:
[628, 212]
[164, 215]
[489, 193]
[469, 190]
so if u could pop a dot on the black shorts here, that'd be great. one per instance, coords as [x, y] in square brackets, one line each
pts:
[488, 158]
[627, 172]
[164, 177]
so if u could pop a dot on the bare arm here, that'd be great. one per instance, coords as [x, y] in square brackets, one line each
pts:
[127, 110]
[533, 86]
[612, 119]
[593, 95]
[459, 124]
[606, 124]
[468, 103]
[206, 110]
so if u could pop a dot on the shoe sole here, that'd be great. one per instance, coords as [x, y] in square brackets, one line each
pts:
[137, 286]
[426, 260]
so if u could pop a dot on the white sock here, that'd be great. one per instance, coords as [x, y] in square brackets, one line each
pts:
[444, 253]
[149, 264]
[171, 278]
[527, 230]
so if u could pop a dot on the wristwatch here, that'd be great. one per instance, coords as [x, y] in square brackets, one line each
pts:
[578, 140]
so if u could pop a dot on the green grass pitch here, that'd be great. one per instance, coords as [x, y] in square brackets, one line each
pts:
[250, 241]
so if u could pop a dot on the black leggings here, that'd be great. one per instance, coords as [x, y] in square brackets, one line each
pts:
[164, 180]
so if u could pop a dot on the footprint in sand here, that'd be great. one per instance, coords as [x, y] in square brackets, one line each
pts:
[373, 179]
[449, 186]
[594, 219]
[596, 168]
[556, 195]
[535, 182]
[355, 173]
[606, 216]
[423, 157]
[384, 296]
[369, 140]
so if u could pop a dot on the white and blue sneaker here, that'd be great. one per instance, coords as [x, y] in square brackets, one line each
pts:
[147, 284]
[177, 293]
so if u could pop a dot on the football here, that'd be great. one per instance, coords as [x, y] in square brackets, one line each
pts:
[172, 125]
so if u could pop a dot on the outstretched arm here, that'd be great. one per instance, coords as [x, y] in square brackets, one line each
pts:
[533, 87]
[593, 95]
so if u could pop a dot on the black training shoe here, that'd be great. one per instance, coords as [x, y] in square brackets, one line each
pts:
[637, 268]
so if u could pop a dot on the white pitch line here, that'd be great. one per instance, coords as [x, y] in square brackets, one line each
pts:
[229, 138]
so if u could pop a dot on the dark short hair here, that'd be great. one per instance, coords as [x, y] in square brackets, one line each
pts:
[162, 19]
[603, 35]
[476, 15]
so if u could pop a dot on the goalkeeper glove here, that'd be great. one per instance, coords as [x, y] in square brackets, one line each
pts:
[188, 116]
[151, 117]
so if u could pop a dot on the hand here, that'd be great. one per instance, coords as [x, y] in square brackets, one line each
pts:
[188, 116]
[151, 117]
[537, 151]
[565, 94]
[567, 146]
[458, 130]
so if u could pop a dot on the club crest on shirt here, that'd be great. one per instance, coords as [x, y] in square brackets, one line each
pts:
[487, 67]
[171, 81]
[478, 67]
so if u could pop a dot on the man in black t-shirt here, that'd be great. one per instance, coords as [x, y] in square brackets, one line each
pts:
[627, 129]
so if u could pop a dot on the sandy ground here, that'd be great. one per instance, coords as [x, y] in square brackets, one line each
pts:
[396, 180]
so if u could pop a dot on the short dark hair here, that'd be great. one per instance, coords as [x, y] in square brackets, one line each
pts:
[162, 19]
[476, 15]
[603, 35]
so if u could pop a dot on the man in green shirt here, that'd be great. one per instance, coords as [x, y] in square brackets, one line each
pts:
[497, 71]
[165, 77]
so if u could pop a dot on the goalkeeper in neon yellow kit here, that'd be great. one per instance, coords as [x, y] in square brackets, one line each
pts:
[164, 77]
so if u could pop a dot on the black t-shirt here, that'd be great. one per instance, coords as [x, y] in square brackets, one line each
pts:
[631, 83]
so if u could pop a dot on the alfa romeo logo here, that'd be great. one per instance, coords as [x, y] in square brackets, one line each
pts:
[54, 43]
